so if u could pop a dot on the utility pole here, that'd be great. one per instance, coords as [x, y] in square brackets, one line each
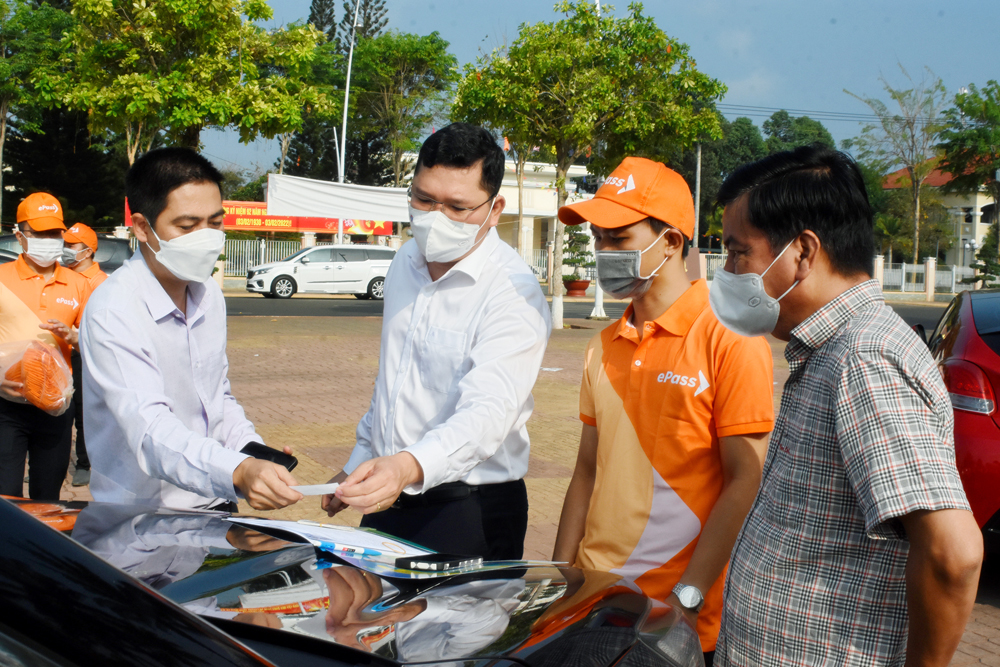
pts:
[697, 193]
[597, 3]
[347, 90]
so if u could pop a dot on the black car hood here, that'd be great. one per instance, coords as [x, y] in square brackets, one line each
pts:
[535, 615]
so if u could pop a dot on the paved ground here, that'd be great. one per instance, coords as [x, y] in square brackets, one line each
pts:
[305, 382]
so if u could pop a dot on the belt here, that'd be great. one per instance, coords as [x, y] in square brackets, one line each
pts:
[443, 493]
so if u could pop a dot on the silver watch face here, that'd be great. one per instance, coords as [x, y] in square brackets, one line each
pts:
[690, 597]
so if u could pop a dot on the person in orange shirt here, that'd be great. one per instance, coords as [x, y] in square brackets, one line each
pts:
[676, 408]
[79, 248]
[38, 299]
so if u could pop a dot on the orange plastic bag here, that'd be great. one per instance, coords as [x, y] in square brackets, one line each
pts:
[46, 378]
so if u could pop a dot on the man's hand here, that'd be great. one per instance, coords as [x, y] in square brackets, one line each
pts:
[69, 334]
[11, 389]
[265, 484]
[375, 484]
[690, 614]
[330, 503]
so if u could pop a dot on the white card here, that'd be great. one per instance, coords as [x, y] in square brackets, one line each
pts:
[316, 489]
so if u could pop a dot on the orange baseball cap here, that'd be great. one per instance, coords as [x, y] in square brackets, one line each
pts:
[41, 211]
[636, 190]
[81, 233]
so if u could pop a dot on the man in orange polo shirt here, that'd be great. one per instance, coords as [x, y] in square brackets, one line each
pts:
[676, 408]
[38, 299]
[79, 248]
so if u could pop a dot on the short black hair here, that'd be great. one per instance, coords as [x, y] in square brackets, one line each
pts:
[814, 188]
[158, 173]
[463, 145]
[658, 226]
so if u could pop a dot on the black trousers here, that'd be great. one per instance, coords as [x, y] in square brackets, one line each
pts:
[82, 462]
[490, 521]
[26, 431]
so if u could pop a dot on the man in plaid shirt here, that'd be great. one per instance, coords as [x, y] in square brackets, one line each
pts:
[860, 548]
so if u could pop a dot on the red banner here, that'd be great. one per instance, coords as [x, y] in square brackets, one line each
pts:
[252, 216]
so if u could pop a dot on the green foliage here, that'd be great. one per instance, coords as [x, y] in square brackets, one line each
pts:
[988, 266]
[403, 84]
[611, 84]
[741, 143]
[58, 155]
[577, 255]
[321, 17]
[904, 138]
[252, 190]
[29, 36]
[371, 21]
[971, 141]
[785, 133]
[174, 65]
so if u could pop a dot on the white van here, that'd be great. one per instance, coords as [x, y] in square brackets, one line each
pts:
[326, 269]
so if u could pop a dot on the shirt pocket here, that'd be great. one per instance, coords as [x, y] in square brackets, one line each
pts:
[442, 354]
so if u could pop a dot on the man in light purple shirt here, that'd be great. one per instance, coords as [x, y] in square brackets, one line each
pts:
[166, 427]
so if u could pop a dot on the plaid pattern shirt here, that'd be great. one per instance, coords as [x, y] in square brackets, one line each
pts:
[863, 437]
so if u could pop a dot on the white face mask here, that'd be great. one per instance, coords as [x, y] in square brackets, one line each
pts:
[193, 256]
[742, 305]
[442, 239]
[44, 252]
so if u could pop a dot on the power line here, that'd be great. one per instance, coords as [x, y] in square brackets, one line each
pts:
[841, 116]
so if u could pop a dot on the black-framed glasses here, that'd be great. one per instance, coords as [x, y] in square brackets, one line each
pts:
[457, 213]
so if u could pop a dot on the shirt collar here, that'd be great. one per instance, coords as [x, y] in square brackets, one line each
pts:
[25, 272]
[91, 270]
[678, 318]
[472, 265]
[819, 327]
[157, 300]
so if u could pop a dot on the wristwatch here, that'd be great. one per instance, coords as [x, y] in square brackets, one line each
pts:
[690, 597]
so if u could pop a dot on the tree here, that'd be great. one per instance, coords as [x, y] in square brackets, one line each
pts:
[321, 17]
[138, 68]
[971, 143]
[742, 143]
[988, 267]
[403, 80]
[57, 154]
[785, 133]
[584, 79]
[888, 229]
[578, 255]
[905, 138]
[371, 21]
[29, 36]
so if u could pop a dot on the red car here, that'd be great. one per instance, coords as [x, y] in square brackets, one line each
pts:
[966, 346]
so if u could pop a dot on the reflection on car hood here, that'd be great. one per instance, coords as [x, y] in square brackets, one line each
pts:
[536, 615]
[268, 265]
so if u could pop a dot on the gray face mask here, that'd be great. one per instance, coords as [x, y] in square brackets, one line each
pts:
[619, 272]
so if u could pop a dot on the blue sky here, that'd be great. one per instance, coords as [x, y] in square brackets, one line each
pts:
[792, 54]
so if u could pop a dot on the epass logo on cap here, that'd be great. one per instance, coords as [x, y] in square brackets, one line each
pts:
[627, 185]
[51, 207]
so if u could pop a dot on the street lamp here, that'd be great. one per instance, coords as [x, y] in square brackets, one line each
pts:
[347, 90]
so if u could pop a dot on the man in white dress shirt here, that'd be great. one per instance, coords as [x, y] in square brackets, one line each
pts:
[166, 428]
[442, 451]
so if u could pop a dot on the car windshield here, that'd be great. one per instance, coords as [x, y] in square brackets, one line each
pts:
[296, 255]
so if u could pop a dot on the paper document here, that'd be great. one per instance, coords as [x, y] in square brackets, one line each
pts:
[316, 489]
[337, 539]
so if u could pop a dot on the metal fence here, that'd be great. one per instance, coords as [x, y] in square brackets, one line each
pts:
[538, 260]
[713, 263]
[241, 254]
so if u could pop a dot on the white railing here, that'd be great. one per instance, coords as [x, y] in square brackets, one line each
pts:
[713, 263]
[241, 254]
[538, 260]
